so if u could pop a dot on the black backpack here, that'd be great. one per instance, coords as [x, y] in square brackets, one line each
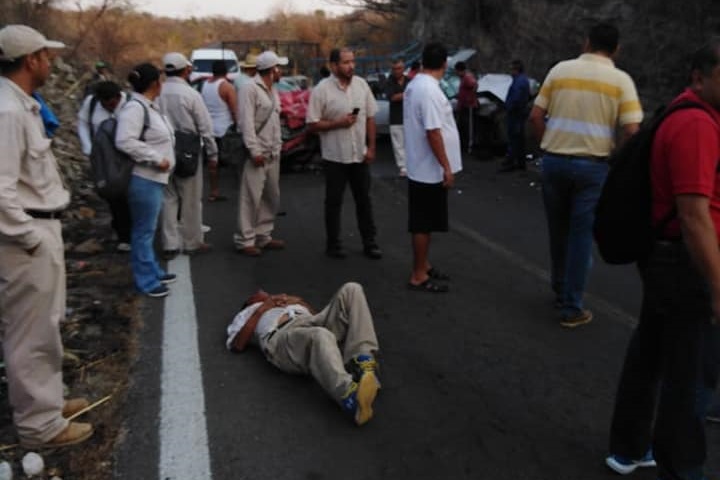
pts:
[623, 227]
[111, 168]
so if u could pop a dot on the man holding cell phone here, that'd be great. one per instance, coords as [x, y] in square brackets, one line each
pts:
[342, 111]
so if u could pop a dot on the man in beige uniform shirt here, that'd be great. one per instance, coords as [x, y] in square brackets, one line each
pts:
[181, 224]
[260, 181]
[32, 264]
[342, 111]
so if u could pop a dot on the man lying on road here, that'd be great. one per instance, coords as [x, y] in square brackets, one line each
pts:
[336, 346]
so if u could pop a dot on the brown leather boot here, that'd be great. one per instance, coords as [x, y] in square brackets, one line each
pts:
[74, 433]
[74, 405]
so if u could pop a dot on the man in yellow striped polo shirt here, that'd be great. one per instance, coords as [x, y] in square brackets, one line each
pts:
[575, 118]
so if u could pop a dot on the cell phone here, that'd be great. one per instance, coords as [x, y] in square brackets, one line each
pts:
[355, 111]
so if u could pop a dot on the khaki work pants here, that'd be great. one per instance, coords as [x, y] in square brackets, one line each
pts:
[257, 203]
[181, 223]
[397, 137]
[32, 303]
[321, 344]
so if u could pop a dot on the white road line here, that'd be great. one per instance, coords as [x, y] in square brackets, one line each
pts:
[184, 452]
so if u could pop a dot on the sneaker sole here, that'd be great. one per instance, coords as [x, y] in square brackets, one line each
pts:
[627, 469]
[367, 391]
[157, 295]
[168, 282]
[576, 322]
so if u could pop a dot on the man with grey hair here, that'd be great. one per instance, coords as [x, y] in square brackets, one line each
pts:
[394, 91]
[32, 263]
[260, 181]
[181, 224]
[342, 111]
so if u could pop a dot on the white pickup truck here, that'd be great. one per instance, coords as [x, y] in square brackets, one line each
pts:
[203, 58]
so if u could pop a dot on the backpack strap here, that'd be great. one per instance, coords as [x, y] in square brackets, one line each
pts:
[146, 118]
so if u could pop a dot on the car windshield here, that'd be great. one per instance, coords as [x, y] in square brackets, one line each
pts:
[205, 65]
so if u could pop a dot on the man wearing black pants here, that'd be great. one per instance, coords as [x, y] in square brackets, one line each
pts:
[669, 372]
[342, 111]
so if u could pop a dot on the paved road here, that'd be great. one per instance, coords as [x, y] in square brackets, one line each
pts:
[478, 383]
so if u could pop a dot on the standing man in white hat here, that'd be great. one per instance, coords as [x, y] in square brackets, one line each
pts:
[32, 263]
[260, 182]
[181, 224]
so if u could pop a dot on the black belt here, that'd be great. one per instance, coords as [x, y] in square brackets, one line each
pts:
[578, 157]
[45, 215]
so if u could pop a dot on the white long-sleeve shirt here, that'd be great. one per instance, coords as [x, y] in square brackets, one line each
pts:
[159, 139]
[87, 126]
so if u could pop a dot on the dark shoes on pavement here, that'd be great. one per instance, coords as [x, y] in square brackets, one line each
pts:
[580, 318]
[170, 254]
[371, 250]
[251, 251]
[624, 466]
[273, 244]
[335, 251]
[158, 292]
[168, 278]
[202, 248]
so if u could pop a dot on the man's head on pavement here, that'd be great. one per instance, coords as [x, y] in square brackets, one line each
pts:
[25, 55]
[434, 57]
[219, 68]
[343, 63]
[603, 38]
[108, 94]
[176, 65]
[398, 68]
[259, 296]
[705, 72]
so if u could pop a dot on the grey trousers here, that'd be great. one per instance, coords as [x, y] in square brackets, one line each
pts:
[321, 344]
[181, 219]
[32, 303]
[257, 203]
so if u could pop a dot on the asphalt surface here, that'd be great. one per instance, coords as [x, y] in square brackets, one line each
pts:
[477, 383]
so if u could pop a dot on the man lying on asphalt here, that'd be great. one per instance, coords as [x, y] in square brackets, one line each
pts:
[336, 346]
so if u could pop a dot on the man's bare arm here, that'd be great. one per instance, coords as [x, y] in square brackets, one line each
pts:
[537, 122]
[698, 233]
[628, 131]
[437, 145]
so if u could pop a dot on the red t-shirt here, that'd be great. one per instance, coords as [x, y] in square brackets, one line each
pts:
[685, 155]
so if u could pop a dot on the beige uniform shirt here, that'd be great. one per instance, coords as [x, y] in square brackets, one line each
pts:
[258, 103]
[185, 109]
[329, 101]
[29, 175]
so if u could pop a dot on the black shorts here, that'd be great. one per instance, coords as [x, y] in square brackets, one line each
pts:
[427, 207]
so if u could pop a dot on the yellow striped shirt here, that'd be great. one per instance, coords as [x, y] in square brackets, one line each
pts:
[586, 99]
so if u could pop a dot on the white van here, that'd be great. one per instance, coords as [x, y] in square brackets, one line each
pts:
[203, 58]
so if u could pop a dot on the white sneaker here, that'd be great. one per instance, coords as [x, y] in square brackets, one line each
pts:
[206, 228]
[123, 247]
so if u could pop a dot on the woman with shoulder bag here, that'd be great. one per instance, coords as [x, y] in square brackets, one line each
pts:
[147, 137]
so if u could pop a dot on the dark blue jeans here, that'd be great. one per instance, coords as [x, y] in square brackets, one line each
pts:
[516, 139]
[670, 368]
[571, 188]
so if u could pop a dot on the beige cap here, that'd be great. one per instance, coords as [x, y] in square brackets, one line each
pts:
[19, 40]
[269, 59]
[249, 61]
[175, 61]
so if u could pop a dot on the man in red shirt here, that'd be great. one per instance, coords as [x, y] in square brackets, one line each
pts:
[666, 368]
[466, 103]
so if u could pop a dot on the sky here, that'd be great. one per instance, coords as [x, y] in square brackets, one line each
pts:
[248, 10]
